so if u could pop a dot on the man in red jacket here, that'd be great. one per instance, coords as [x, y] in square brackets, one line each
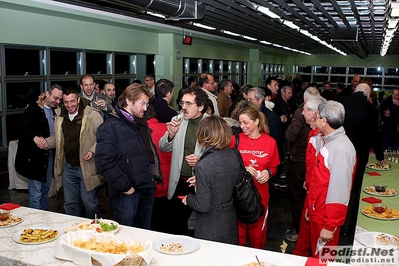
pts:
[328, 194]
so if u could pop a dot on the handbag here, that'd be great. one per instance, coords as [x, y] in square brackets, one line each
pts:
[246, 197]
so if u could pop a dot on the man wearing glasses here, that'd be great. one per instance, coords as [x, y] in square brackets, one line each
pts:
[209, 85]
[181, 139]
[127, 157]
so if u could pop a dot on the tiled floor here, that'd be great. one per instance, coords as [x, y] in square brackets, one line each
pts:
[279, 210]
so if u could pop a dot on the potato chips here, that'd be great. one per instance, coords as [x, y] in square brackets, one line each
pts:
[388, 214]
[108, 247]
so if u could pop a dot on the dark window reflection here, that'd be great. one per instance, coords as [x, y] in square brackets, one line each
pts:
[67, 83]
[391, 81]
[120, 85]
[96, 63]
[12, 125]
[193, 65]
[63, 63]
[391, 72]
[356, 70]
[22, 62]
[374, 71]
[122, 64]
[336, 79]
[338, 70]
[150, 61]
[321, 69]
[19, 95]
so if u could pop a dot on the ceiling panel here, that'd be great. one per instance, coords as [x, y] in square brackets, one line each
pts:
[243, 17]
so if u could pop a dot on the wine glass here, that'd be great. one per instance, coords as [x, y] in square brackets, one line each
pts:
[180, 116]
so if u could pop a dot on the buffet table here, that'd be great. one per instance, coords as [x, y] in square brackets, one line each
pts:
[209, 253]
[391, 180]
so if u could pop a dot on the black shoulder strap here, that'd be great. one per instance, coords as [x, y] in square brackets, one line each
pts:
[237, 141]
[239, 159]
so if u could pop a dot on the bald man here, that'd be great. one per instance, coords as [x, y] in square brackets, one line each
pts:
[361, 127]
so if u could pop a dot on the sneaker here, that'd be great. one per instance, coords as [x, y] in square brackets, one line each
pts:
[291, 235]
[280, 181]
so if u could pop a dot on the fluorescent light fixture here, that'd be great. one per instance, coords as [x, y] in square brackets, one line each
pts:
[305, 32]
[249, 38]
[267, 12]
[290, 24]
[203, 26]
[231, 33]
[395, 9]
[265, 42]
[392, 23]
[155, 14]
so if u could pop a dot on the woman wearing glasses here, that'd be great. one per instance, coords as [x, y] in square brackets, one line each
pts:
[260, 155]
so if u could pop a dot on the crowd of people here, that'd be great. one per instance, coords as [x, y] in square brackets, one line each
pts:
[174, 170]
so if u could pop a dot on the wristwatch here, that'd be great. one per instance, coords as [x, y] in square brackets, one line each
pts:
[270, 172]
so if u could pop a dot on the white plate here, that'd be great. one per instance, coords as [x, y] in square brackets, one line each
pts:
[13, 223]
[379, 194]
[378, 218]
[369, 239]
[189, 244]
[17, 235]
[89, 226]
[371, 166]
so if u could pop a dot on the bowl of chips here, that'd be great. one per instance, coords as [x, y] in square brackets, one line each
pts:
[103, 249]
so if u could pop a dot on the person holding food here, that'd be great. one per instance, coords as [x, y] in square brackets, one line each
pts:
[260, 156]
[215, 215]
[329, 191]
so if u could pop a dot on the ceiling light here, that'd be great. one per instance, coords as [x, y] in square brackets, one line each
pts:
[392, 23]
[203, 26]
[249, 38]
[290, 24]
[231, 33]
[267, 12]
[155, 14]
[395, 9]
[265, 42]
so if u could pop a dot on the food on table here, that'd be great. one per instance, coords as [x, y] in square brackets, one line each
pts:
[380, 188]
[37, 235]
[386, 239]
[7, 219]
[172, 248]
[379, 208]
[387, 192]
[108, 247]
[379, 166]
[99, 226]
[388, 213]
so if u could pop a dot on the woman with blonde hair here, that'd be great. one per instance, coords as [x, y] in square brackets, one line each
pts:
[260, 155]
[216, 173]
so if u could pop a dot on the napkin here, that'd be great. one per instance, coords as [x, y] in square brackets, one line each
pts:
[313, 262]
[371, 200]
[373, 174]
[9, 206]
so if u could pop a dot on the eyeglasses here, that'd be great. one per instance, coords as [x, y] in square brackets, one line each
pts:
[182, 103]
[144, 103]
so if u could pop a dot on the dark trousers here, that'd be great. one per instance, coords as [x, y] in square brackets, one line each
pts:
[298, 193]
[179, 213]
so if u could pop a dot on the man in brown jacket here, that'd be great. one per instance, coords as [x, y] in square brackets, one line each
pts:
[74, 138]
[224, 100]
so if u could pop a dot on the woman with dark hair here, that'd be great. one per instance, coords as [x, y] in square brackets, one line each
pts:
[215, 215]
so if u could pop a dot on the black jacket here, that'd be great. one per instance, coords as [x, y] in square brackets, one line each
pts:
[121, 156]
[31, 161]
[163, 111]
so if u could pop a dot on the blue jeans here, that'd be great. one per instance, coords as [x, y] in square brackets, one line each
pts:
[38, 191]
[134, 209]
[75, 190]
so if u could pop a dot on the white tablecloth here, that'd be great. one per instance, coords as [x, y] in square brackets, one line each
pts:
[17, 181]
[209, 254]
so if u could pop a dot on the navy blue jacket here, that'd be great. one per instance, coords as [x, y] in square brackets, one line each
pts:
[121, 156]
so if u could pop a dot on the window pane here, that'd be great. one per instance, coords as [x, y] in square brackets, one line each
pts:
[12, 126]
[120, 85]
[67, 83]
[336, 79]
[19, 95]
[226, 66]
[391, 72]
[63, 63]
[150, 64]
[96, 63]
[206, 66]
[391, 81]
[356, 70]
[320, 79]
[374, 71]
[304, 69]
[217, 67]
[22, 62]
[376, 81]
[338, 70]
[320, 69]
[122, 64]
[193, 65]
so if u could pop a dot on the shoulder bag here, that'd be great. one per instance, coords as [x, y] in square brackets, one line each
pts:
[246, 198]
